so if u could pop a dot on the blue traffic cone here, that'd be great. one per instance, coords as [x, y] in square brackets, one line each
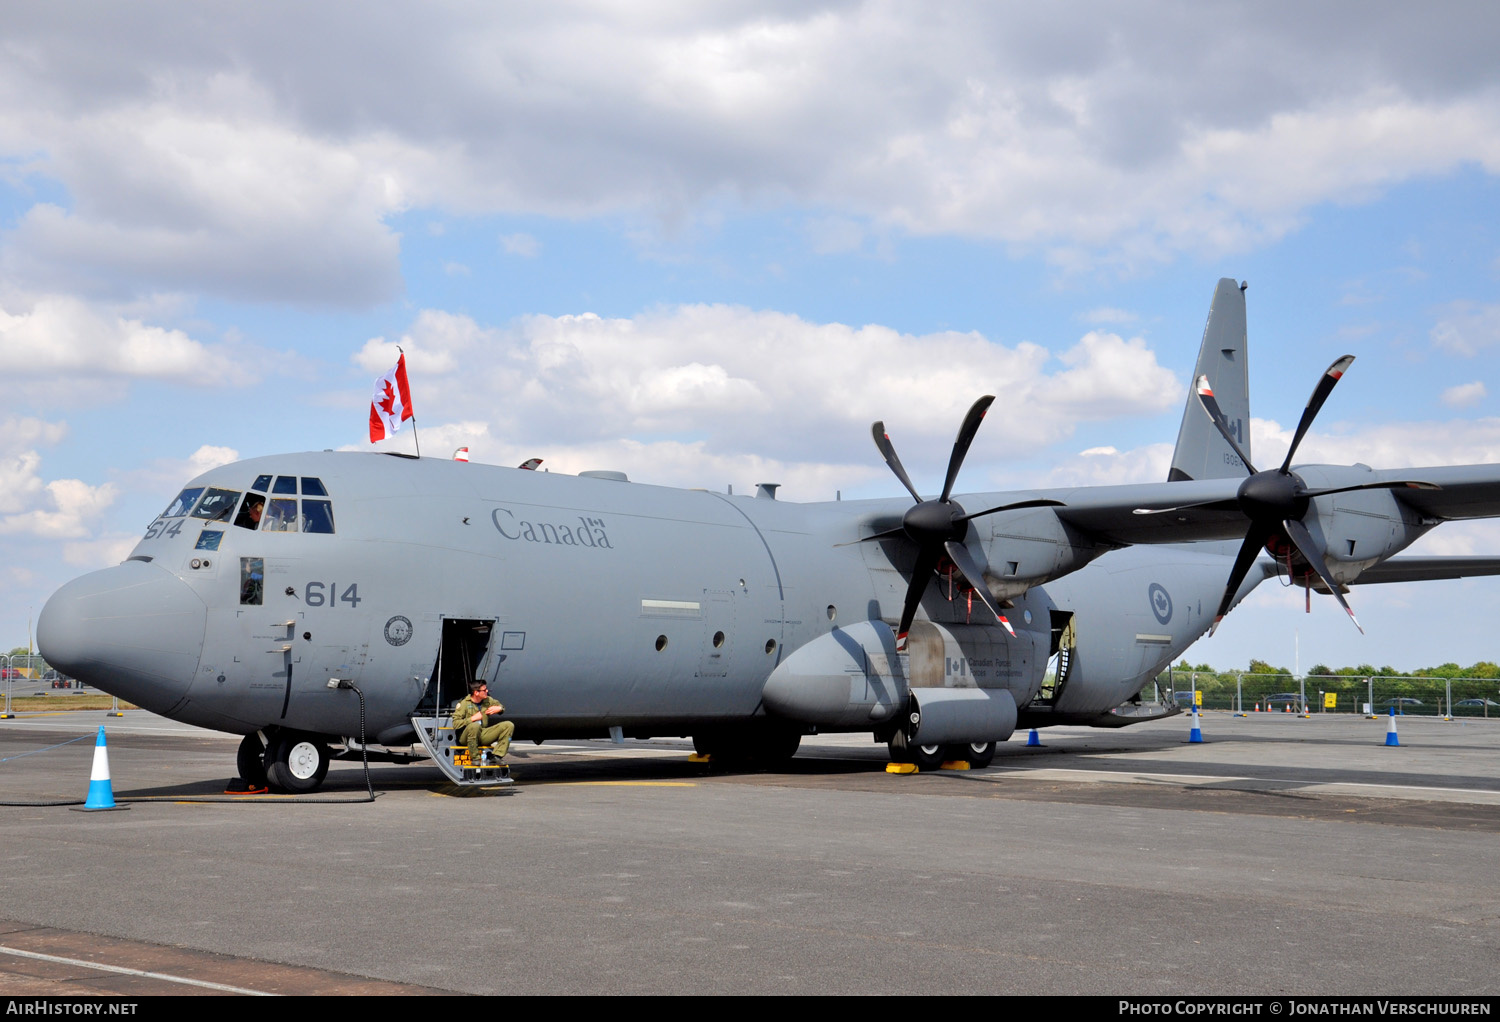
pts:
[1390, 729]
[101, 795]
[1196, 734]
[1032, 741]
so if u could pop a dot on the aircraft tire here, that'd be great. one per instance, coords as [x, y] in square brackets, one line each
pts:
[979, 754]
[924, 757]
[251, 760]
[298, 763]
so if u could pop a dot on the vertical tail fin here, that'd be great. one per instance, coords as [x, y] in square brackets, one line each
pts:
[1201, 452]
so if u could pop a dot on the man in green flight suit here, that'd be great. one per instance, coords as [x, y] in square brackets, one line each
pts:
[471, 722]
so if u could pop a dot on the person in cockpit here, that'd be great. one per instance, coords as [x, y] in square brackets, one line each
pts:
[249, 516]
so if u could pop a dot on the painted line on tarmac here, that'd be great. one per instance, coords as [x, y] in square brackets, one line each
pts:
[1357, 788]
[222, 988]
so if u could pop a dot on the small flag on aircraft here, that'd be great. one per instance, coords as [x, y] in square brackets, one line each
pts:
[462, 454]
[391, 404]
[530, 464]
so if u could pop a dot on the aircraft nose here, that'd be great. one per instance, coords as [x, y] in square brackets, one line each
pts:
[134, 630]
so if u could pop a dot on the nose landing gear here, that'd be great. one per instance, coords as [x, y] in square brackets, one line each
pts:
[289, 761]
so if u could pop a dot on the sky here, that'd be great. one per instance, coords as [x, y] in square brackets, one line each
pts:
[708, 245]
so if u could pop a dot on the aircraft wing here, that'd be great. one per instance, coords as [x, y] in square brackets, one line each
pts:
[1468, 491]
[1178, 512]
[1420, 569]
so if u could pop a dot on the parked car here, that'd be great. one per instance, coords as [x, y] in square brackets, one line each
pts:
[1401, 703]
[1485, 705]
[1281, 700]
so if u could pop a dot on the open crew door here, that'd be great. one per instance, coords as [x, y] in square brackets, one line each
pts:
[1064, 641]
[461, 656]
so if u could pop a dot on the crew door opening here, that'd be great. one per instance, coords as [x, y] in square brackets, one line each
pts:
[461, 657]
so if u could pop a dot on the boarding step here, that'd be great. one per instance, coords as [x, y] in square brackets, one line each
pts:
[436, 735]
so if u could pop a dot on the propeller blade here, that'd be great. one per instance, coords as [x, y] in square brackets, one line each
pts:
[973, 574]
[1216, 416]
[921, 574]
[1400, 484]
[1309, 550]
[1255, 540]
[965, 438]
[1010, 507]
[1320, 393]
[888, 452]
[887, 534]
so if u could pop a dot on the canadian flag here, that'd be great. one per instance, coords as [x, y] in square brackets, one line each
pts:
[391, 404]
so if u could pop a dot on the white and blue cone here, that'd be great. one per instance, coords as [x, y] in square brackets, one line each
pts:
[101, 795]
[1196, 734]
[1390, 729]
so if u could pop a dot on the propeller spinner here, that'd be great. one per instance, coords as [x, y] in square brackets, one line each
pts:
[940, 526]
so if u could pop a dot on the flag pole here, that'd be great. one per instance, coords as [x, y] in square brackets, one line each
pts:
[414, 434]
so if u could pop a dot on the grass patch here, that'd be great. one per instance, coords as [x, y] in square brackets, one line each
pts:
[36, 704]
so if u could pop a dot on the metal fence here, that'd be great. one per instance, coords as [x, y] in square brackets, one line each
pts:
[1337, 693]
[22, 669]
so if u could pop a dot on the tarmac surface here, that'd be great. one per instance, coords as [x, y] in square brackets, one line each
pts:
[1281, 856]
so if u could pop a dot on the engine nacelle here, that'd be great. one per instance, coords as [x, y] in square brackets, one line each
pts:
[956, 679]
[851, 677]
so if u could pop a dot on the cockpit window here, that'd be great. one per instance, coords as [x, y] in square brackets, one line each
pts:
[312, 486]
[184, 502]
[252, 510]
[262, 483]
[317, 515]
[281, 516]
[285, 484]
[217, 505]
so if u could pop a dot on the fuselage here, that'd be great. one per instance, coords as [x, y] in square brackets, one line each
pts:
[590, 603]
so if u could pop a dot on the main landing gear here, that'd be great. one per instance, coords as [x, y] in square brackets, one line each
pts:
[293, 762]
[931, 757]
[763, 745]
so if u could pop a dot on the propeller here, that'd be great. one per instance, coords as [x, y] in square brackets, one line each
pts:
[1277, 500]
[940, 526]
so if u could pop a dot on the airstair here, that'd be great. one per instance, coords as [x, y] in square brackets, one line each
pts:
[437, 737]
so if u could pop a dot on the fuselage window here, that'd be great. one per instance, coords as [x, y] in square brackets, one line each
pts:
[218, 505]
[285, 484]
[313, 487]
[252, 581]
[262, 483]
[281, 516]
[317, 515]
[184, 502]
[252, 510]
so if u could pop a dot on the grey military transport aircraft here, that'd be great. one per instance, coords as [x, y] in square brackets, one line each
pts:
[329, 601]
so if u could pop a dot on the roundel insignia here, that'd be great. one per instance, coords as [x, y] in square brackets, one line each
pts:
[398, 630]
[1161, 604]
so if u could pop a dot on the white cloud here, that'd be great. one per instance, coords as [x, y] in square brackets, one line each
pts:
[1466, 327]
[111, 548]
[523, 245]
[1464, 395]
[1388, 445]
[64, 337]
[715, 375]
[1106, 466]
[1113, 317]
[212, 154]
